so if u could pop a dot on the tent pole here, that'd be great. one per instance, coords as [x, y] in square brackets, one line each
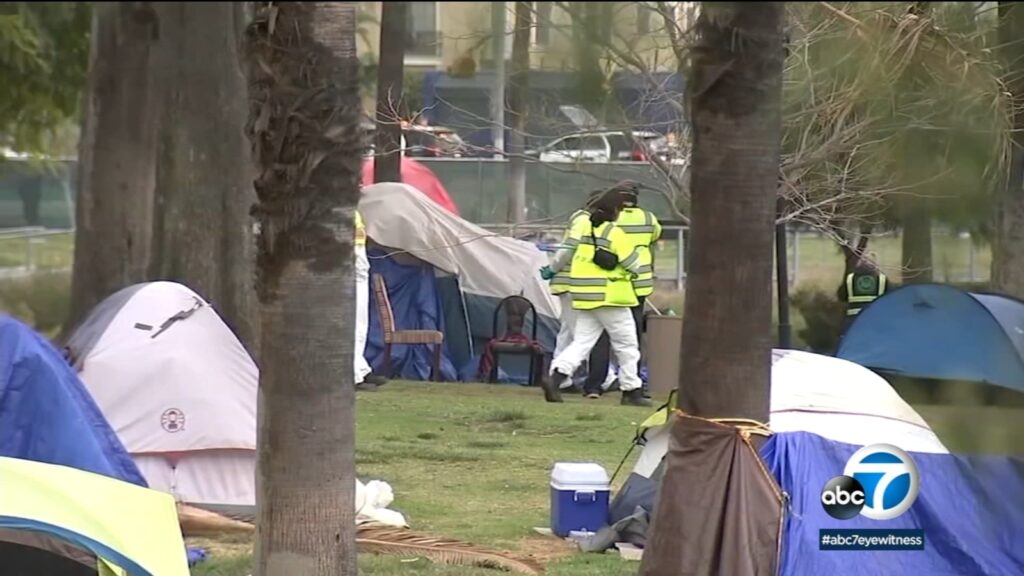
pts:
[782, 276]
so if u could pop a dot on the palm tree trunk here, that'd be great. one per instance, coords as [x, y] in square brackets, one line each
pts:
[517, 108]
[114, 210]
[202, 235]
[1008, 247]
[304, 128]
[727, 336]
[387, 164]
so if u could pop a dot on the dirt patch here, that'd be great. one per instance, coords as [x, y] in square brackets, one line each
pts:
[545, 549]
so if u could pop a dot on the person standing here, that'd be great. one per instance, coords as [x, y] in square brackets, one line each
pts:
[364, 378]
[642, 229]
[558, 273]
[865, 284]
[601, 284]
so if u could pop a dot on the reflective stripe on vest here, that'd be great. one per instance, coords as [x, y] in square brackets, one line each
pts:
[858, 296]
[590, 285]
[559, 284]
[639, 226]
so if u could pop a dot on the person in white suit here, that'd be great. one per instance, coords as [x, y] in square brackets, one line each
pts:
[364, 377]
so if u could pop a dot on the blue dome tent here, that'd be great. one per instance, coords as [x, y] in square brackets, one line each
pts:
[941, 332]
[46, 414]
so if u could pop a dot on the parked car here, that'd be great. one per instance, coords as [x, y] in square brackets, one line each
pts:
[607, 146]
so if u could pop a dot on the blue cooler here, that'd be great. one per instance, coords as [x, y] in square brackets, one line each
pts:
[579, 497]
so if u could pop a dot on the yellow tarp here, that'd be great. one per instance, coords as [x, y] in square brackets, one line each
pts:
[135, 525]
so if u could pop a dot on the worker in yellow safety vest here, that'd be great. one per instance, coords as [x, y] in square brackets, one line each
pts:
[861, 287]
[601, 286]
[364, 378]
[642, 230]
[558, 272]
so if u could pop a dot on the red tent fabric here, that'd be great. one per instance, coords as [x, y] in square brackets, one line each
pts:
[420, 177]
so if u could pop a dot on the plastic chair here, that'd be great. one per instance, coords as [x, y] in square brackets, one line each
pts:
[516, 310]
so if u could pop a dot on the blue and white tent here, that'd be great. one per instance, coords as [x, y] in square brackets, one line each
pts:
[445, 273]
[46, 414]
[823, 410]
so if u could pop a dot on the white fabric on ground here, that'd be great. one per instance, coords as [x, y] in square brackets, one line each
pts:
[359, 363]
[372, 500]
[618, 322]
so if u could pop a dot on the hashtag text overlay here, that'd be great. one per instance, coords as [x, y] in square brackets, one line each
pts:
[870, 539]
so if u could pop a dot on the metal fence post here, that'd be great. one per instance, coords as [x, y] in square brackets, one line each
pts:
[970, 259]
[794, 271]
[680, 258]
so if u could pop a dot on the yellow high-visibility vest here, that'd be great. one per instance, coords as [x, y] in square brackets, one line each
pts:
[560, 282]
[863, 289]
[642, 230]
[594, 287]
[360, 230]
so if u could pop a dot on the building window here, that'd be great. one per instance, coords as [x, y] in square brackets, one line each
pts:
[643, 18]
[542, 23]
[421, 34]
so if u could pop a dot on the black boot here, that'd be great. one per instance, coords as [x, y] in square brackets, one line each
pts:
[375, 379]
[551, 385]
[634, 398]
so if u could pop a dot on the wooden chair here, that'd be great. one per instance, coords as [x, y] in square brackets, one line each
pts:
[403, 337]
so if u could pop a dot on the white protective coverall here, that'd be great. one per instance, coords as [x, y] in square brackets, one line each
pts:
[362, 367]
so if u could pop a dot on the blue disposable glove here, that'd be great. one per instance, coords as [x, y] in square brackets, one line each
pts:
[547, 273]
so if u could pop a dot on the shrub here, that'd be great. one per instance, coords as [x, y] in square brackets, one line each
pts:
[41, 300]
[823, 317]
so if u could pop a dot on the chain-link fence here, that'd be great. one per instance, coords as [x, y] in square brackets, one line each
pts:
[814, 259]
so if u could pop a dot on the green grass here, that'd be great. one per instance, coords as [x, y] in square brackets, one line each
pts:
[45, 252]
[472, 462]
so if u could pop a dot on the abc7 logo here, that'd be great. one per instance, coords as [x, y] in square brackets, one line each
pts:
[879, 482]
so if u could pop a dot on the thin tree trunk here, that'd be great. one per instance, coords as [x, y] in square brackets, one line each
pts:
[304, 128]
[517, 108]
[116, 164]
[202, 233]
[388, 161]
[1008, 247]
[727, 336]
[917, 245]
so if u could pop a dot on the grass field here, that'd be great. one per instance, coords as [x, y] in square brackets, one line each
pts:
[472, 462]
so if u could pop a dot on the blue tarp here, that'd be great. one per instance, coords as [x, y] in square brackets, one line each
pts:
[940, 332]
[416, 305]
[46, 414]
[971, 510]
[420, 300]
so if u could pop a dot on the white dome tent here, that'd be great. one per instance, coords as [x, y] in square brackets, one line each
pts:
[178, 388]
[833, 398]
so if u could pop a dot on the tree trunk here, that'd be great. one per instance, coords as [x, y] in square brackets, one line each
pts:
[517, 108]
[202, 233]
[304, 127]
[116, 164]
[388, 161]
[727, 336]
[917, 245]
[1008, 245]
